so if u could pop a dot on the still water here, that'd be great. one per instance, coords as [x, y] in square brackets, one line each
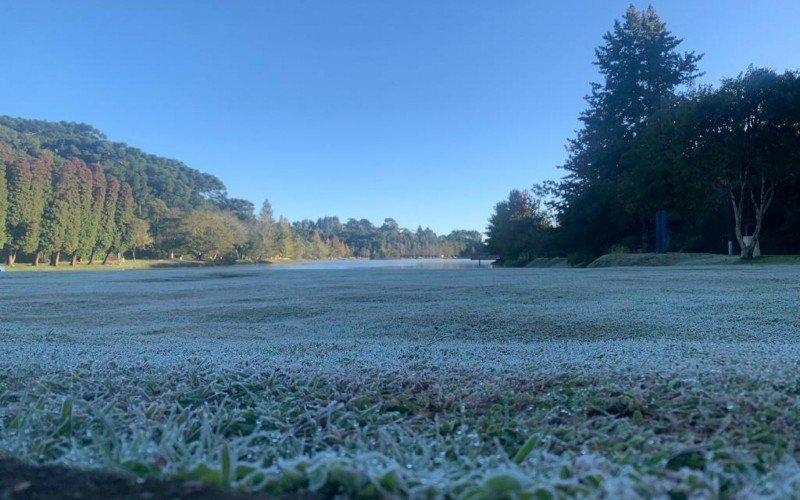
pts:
[384, 264]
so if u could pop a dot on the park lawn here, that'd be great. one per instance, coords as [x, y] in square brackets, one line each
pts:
[634, 382]
[111, 266]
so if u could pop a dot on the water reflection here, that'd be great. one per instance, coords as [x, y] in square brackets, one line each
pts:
[384, 264]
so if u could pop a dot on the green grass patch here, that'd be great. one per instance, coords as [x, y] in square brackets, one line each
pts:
[111, 266]
[377, 435]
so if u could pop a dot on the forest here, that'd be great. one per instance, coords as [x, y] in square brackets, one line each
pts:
[722, 162]
[67, 192]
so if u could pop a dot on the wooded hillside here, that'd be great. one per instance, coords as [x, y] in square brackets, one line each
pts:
[67, 191]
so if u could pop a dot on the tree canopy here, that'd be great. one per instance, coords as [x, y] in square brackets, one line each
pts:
[66, 191]
[722, 162]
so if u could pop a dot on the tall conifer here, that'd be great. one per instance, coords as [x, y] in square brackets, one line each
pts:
[5, 156]
[124, 219]
[92, 230]
[108, 227]
[642, 70]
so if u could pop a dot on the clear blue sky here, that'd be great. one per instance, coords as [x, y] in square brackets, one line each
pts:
[425, 111]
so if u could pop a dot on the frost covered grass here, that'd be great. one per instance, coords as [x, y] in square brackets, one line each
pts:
[665, 259]
[111, 266]
[408, 382]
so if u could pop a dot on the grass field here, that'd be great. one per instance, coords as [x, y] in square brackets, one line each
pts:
[475, 383]
[127, 265]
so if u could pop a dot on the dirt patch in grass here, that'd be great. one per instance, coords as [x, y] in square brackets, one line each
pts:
[22, 481]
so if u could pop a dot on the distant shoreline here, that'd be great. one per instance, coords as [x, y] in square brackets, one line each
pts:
[145, 264]
[128, 265]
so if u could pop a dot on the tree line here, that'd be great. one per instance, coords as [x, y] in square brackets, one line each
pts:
[217, 233]
[387, 241]
[54, 207]
[723, 162]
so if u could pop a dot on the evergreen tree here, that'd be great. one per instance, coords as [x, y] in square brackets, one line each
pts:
[5, 157]
[123, 220]
[641, 70]
[80, 209]
[61, 218]
[86, 192]
[284, 239]
[94, 220]
[108, 225]
[267, 230]
[18, 218]
[150, 177]
[42, 169]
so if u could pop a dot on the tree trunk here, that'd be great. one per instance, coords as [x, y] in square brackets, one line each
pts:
[56, 258]
[761, 206]
[74, 260]
[133, 254]
[11, 258]
[91, 256]
[119, 258]
[643, 249]
[37, 257]
[105, 259]
[737, 216]
[750, 244]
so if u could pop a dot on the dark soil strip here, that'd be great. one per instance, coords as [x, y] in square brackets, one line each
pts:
[44, 482]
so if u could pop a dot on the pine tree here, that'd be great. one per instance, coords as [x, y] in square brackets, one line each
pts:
[108, 226]
[5, 157]
[92, 230]
[61, 219]
[42, 169]
[285, 243]
[28, 193]
[641, 70]
[267, 230]
[19, 178]
[124, 220]
[82, 212]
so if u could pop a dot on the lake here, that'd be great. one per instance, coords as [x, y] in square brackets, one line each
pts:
[385, 264]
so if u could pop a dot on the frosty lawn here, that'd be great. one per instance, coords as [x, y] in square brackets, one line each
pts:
[412, 382]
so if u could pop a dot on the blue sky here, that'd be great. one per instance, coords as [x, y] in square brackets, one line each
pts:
[425, 111]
